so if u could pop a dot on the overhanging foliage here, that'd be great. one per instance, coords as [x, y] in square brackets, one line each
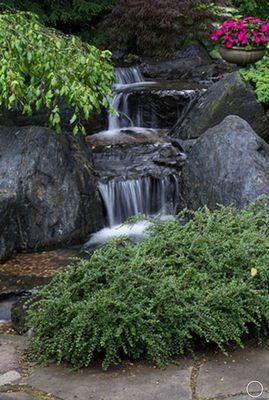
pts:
[40, 66]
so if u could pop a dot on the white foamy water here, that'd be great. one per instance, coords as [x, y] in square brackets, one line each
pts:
[134, 231]
[127, 135]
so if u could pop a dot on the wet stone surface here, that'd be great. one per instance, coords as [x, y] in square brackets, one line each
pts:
[24, 272]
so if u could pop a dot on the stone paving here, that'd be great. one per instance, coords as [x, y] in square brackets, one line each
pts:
[211, 376]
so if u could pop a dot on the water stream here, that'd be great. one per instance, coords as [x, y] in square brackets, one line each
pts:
[123, 78]
[137, 186]
[145, 195]
[5, 308]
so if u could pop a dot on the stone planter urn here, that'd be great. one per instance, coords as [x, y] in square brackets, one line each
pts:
[242, 56]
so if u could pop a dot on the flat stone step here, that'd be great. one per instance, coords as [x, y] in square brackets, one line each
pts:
[16, 396]
[132, 382]
[230, 375]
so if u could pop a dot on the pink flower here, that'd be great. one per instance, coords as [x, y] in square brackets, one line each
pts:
[219, 32]
[231, 24]
[256, 21]
[265, 29]
[242, 32]
[241, 36]
[257, 40]
[229, 44]
[240, 24]
[245, 40]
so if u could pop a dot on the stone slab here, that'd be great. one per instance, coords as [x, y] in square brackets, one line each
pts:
[11, 347]
[133, 382]
[16, 396]
[223, 376]
[265, 396]
[9, 377]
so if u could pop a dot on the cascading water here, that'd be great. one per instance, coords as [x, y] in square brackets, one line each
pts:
[127, 187]
[123, 77]
[146, 195]
[148, 104]
[126, 76]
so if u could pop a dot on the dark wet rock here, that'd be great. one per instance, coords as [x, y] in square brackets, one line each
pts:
[96, 123]
[137, 160]
[192, 63]
[17, 285]
[26, 272]
[8, 224]
[229, 164]
[51, 177]
[134, 153]
[154, 104]
[184, 145]
[159, 108]
[196, 52]
[19, 314]
[232, 95]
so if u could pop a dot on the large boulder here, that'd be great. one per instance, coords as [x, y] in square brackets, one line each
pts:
[51, 189]
[229, 164]
[230, 96]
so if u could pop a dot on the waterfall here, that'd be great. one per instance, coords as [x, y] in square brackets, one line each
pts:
[125, 198]
[136, 101]
[128, 157]
[123, 78]
[145, 195]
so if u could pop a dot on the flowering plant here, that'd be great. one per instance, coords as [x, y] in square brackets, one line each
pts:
[248, 32]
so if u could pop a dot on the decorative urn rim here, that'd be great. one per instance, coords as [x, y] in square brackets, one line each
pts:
[244, 48]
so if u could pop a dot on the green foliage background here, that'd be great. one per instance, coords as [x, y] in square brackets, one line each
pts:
[256, 8]
[72, 16]
[259, 76]
[185, 285]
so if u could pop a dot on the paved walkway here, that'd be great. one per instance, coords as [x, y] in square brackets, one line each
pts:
[212, 376]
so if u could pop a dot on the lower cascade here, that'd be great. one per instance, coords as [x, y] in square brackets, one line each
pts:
[146, 196]
[138, 166]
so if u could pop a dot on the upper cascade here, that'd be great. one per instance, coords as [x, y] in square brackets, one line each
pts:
[125, 76]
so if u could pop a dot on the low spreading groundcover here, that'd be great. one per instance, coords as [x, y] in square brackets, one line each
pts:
[204, 282]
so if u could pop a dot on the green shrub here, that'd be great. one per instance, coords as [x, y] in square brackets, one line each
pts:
[183, 286]
[40, 66]
[259, 76]
[255, 8]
